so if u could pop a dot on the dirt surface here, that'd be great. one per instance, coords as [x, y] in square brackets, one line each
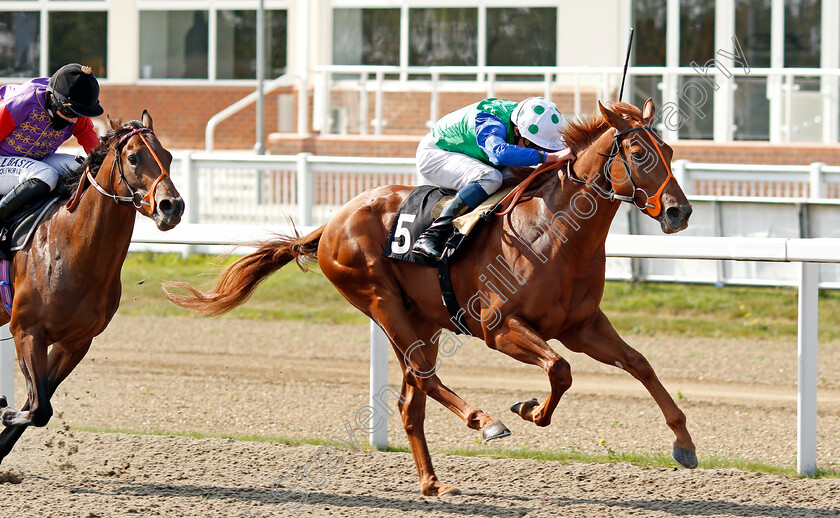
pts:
[297, 380]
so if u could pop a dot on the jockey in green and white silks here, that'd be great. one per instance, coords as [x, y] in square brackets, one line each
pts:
[468, 150]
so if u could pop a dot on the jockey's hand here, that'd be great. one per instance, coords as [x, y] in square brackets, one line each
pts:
[564, 155]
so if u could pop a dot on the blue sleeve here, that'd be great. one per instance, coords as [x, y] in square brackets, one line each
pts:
[490, 133]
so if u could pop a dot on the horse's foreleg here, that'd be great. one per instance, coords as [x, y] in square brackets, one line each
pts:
[519, 341]
[32, 358]
[598, 339]
[62, 360]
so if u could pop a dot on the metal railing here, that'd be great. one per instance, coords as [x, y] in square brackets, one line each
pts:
[284, 80]
[795, 109]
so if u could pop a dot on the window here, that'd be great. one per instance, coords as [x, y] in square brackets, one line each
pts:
[697, 31]
[236, 52]
[752, 108]
[802, 33]
[173, 44]
[78, 37]
[649, 17]
[522, 37]
[366, 37]
[19, 49]
[443, 37]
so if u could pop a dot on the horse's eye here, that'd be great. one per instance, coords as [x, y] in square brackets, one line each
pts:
[638, 155]
[132, 159]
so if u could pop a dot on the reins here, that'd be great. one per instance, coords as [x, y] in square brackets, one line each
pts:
[514, 195]
[136, 201]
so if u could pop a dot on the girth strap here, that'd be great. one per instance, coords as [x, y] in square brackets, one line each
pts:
[450, 300]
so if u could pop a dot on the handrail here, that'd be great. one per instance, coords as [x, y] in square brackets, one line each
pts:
[215, 120]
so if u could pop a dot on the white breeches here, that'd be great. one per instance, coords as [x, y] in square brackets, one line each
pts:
[16, 169]
[454, 170]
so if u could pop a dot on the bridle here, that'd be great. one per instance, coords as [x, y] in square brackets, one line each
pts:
[640, 199]
[135, 199]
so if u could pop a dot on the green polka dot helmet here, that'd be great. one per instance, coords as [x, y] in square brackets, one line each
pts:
[539, 121]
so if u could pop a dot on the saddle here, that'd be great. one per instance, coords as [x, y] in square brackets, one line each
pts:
[16, 232]
[414, 216]
[417, 212]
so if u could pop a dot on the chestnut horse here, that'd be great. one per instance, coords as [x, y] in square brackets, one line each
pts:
[66, 281]
[533, 275]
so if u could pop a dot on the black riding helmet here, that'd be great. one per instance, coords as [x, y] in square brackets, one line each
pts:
[76, 91]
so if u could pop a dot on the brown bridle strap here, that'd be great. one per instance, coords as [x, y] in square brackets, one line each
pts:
[513, 196]
[138, 204]
[657, 204]
[150, 196]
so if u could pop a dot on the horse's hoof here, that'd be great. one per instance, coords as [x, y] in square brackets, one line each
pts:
[453, 492]
[3, 402]
[685, 458]
[495, 430]
[519, 406]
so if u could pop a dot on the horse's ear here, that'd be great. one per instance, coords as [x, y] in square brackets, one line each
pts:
[147, 120]
[613, 119]
[114, 125]
[649, 110]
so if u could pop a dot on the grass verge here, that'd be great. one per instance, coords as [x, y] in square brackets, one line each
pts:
[648, 309]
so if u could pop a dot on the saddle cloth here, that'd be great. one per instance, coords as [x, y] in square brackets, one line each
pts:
[14, 235]
[417, 212]
[16, 232]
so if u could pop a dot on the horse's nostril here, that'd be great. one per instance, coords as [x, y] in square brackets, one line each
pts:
[165, 206]
[674, 213]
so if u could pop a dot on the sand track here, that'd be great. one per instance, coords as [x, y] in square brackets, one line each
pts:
[296, 380]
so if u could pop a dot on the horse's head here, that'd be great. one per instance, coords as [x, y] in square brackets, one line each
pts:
[639, 167]
[142, 166]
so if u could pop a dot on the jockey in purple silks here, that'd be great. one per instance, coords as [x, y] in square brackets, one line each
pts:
[36, 118]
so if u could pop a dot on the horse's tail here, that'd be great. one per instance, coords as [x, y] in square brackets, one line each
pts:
[239, 280]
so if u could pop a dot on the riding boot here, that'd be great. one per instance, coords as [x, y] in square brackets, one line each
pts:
[431, 242]
[24, 193]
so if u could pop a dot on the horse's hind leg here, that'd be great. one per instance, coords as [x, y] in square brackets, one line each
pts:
[413, 411]
[62, 360]
[417, 355]
[599, 340]
[519, 341]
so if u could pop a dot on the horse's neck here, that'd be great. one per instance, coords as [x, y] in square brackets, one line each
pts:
[584, 209]
[102, 225]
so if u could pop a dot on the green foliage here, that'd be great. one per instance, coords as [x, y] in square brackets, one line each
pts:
[289, 294]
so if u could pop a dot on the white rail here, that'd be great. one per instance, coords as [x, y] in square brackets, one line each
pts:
[284, 80]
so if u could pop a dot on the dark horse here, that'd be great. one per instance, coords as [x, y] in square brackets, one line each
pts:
[67, 280]
[534, 275]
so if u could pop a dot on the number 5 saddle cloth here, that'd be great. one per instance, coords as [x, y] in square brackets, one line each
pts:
[418, 211]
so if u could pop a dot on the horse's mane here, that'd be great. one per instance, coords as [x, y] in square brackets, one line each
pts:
[69, 181]
[580, 132]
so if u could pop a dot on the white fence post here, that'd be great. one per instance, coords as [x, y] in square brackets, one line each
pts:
[378, 380]
[304, 190]
[816, 180]
[681, 175]
[190, 196]
[7, 365]
[806, 421]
